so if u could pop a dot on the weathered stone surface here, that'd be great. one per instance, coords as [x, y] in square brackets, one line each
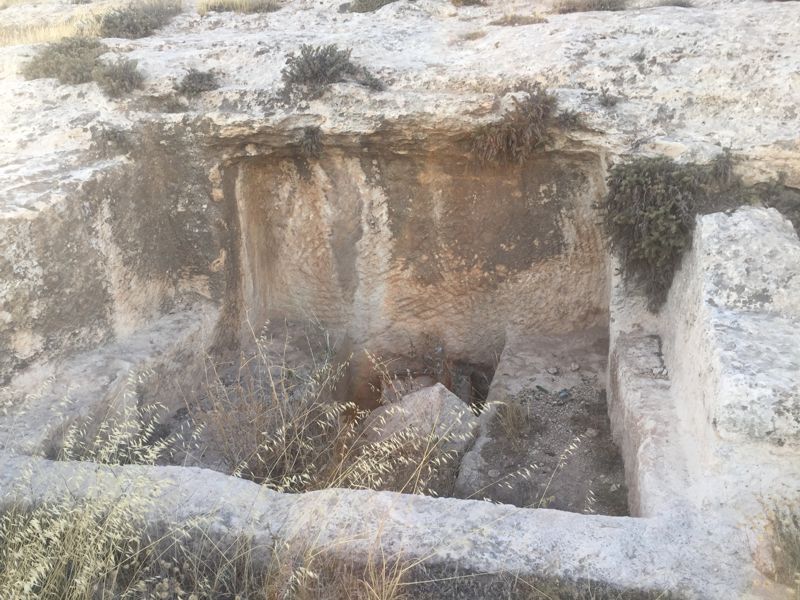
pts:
[160, 364]
[432, 411]
[735, 314]
[115, 213]
[662, 555]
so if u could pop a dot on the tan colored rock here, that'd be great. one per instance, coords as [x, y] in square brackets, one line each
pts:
[432, 411]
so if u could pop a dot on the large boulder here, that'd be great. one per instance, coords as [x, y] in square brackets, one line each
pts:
[433, 411]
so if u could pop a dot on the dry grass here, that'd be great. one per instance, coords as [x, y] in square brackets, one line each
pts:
[515, 20]
[512, 418]
[134, 20]
[472, 35]
[240, 6]
[573, 6]
[83, 24]
[278, 426]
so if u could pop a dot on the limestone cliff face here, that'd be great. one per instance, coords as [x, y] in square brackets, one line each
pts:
[389, 249]
[114, 213]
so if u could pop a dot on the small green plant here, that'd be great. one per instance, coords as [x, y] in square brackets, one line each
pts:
[240, 6]
[515, 20]
[71, 60]
[607, 100]
[195, 82]
[568, 119]
[649, 214]
[521, 131]
[138, 20]
[316, 67]
[363, 6]
[118, 78]
[573, 6]
[468, 2]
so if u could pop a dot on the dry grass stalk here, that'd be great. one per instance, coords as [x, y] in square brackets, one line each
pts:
[278, 426]
[83, 24]
[239, 6]
[573, 6]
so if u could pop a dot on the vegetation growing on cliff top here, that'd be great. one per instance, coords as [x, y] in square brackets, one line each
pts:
[316, 67]
[195, 82]
[118, 78]
[75, 60]
[138, 20]
[649, 214]
[70, 60]
[522, 130]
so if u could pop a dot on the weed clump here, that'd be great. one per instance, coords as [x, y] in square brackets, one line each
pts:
[522, 130]
[649, 214]
[607, 100]
[71, 60]
[240, 6]
[195, 82]
[515, 20]
[573, 6]
[118, 78]
[138, 20]
[364, 6]
[316, 67]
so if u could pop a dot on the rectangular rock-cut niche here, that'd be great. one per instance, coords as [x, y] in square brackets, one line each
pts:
[392, 251]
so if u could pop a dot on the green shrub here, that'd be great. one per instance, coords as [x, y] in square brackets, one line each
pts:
[70, 61]
[363, 6]
[138, 20]
[118, 78]
[569, 119]
[319, 66]
[196, 82]
[521, 130]
[573, 6]
[649, 214]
